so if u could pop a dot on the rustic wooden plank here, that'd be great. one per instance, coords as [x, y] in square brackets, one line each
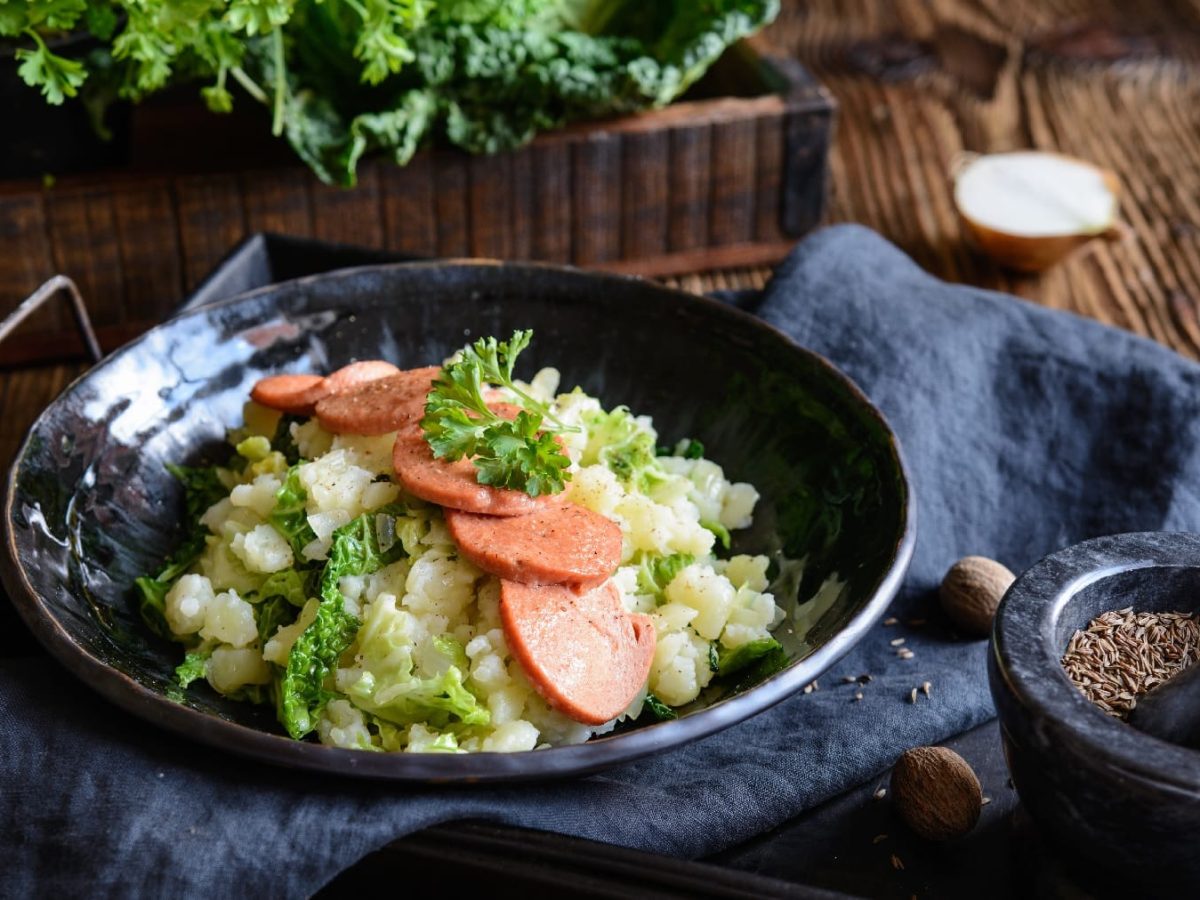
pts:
[768, 179]
[210, 222]
[83, 232]
[23, 396]
[451, 204]
[408, 209]
[596, 211]
[702, 259]
[151, 255]
[521, 203]
[734, 191]
[277, 200]
[349, 215]
[25, 260]
[551, 201]
[805, 181]
[690, 170]
[645, 173]
[31, 349]
[489, 198]
[589, 193]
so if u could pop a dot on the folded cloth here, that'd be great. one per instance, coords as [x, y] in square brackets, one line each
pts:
[1025, 430]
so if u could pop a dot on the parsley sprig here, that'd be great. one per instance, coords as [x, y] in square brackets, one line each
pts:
[521, 453]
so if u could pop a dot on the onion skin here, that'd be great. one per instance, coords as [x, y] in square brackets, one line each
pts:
[1037, 253]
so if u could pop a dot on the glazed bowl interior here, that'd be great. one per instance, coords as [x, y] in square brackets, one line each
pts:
[91, 507]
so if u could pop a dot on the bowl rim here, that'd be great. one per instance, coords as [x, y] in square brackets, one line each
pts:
[577, 759]
[1023, 652]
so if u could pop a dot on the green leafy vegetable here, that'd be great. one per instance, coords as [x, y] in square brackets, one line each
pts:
[714, 660]
[741, 657]
[391, 690]
[688, 448]
[283, 442]
[254, 448]
[658, 709]
[719, 530]
[57, 76]
[152, 602]
[202, 488]
[291, 585]
[433, 701]
[272, 614]
[290, 516]
[458, 422]
[192, 668]
[345, 77]
[301, 692]
[656, 572]
[617, 440]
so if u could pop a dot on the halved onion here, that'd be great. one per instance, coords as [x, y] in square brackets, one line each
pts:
[1028, 209]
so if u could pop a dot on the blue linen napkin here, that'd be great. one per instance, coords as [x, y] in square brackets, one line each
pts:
[1025, 430]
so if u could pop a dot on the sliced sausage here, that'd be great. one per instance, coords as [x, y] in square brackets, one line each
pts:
[564, 544]
[358, 373]
[584, 654]
[379, 406]
[453, 484]
[295, 394]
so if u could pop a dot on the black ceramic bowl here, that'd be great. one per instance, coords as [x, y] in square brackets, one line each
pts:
[90, 506]
[1122, 807]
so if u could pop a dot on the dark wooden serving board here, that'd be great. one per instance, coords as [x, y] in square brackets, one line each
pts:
[730, 176]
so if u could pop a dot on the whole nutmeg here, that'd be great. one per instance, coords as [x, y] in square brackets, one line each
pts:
[936, 793]
[971, 591]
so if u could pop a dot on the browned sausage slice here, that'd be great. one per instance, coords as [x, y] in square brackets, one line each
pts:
[453, 484]
[295, 394]
[584, 654]
[379, 406]
[565, 544]
[357, 373]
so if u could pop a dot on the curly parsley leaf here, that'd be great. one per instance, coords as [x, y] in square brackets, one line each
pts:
[521, 453]
[56, 76]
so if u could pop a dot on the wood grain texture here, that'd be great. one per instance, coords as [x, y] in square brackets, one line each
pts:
[408, 206]
[277, 200]
[596, 199]
[919, 83]
[349, 217]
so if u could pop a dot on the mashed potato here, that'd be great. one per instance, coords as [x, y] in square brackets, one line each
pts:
[429, 669]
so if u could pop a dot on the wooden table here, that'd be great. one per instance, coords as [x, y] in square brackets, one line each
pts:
[1111, 81]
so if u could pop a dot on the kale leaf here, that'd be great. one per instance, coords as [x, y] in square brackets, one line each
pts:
[301, 692]
[202, 488]
[656, 572]
[658, 709]
[192, 668]
[290, 516]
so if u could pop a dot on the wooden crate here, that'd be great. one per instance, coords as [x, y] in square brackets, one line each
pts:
[730, 176]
